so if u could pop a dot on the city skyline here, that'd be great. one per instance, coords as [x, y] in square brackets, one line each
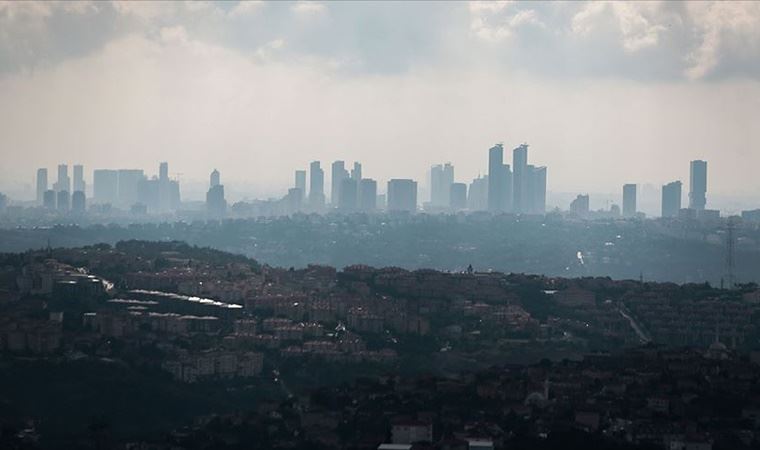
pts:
[665, 97]
[160, 194]
[377, 225]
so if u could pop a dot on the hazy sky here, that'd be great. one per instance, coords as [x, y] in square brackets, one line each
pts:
[604, 93]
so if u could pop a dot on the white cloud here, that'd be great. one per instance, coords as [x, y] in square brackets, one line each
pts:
[246, 8]
[722, 27]
[174, 34]
[146, 11]
[308, 8]
[640, 24]
[268, 50]
[495, 21]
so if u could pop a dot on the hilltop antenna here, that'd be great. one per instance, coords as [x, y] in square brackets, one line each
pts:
[730, 252]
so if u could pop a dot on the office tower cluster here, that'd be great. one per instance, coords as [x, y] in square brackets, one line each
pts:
[63, 196]
[520, 189]
[349, 190]
[502, 190]
[445, 193]
[125, 188]
[672, 194]
[132, 189]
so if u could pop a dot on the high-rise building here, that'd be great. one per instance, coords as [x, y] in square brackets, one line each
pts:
[499, 181]
[63, 183]
[48, 199]
[520, 176]
[42, 185]
[216, 204]
[148, 195]
[168, 190]
[347, 200]
[477, 199]
[339, 174]
[316, 186]
[537, 190]
[441, 178]
[105, 186]
[63, 201]
[671, 199]
[402, 195]
[79, 184]
[458, 196]
[163, 171]
[367, 195]
[129, 185]
[698, 185]
[300, 182]
[629, 200]
[78, 202]
[580, 206]
[356, 172]
[294, 199]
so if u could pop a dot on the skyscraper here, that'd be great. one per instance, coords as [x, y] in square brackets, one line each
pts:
[294, 200]
[698, 185]
[214, 179]
[339, 174]
[671, 199]
[148, 196]
[537, 190]
[402, 195]
[63, 201]
[78, 202]
[48, 199]
[458, 196]
[477, 197]
[629, 200]
[499, 181]
[367, 195]
[42, 185]
[216, 205]
[316, 186]
[356, 172]
[129, 182]
[63, 183]
[79, 184]
[168, 190]
[347, 200]
[520, 184]
[441, 179]
[163, 171]
[300, 182]
[105, 186]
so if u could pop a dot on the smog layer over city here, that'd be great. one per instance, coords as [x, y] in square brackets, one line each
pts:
[379, 225]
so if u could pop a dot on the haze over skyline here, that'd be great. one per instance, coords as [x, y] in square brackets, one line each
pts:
[604, 93]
